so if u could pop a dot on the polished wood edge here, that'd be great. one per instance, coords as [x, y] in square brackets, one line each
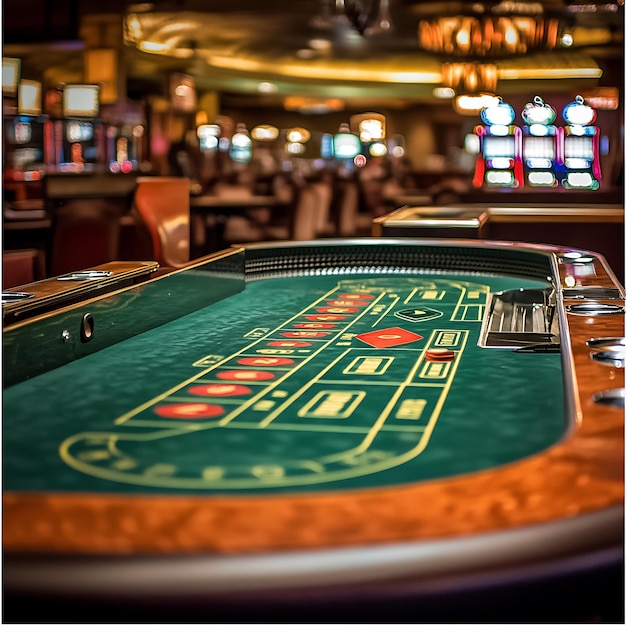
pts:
[50, 287]
[56, 293]
[580, 475]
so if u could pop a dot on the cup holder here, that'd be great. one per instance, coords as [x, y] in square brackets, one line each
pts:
[15, 296]
[610, 397]
[595, 308]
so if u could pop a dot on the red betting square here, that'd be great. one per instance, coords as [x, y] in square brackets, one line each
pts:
[389, 337]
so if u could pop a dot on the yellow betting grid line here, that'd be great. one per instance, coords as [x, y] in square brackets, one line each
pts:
[484, 291]
[274, 414]
[390, 308]
[322, 428]
[361, 459]
[428, 428]
[410, 296]
[289, 372]
[130, 414]
[458, 302]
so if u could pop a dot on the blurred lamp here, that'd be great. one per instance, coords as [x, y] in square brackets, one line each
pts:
[264, 132]
[183, 93]
[298, 135]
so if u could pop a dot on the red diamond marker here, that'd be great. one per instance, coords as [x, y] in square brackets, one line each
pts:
[389, 337]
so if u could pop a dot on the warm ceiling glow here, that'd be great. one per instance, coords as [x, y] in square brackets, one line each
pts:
[531, 73]
[325, 71]
[313, 105]
[481, 46]
[153, 46]
[487, 35]
[469, 77]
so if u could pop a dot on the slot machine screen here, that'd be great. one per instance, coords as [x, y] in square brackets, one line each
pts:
[81, 101]
[579, 148]
[494, 147]
[326, 146]
[29, 97]
[240, 148]
[208, 137]
[79, 131]
[539, 148]
[10, 75]
[346, 146]
[24, 143]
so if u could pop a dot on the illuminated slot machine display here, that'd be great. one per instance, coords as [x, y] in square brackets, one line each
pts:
[24, 136]
[208, 137]
[499, 161]
[581, 147]
[346, 147]
[78, 139]
[540, 147]
[326, 146]
[240, 150]
[208, 141]
[123, 147]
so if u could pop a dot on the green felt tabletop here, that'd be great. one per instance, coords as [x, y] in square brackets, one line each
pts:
[295, 384]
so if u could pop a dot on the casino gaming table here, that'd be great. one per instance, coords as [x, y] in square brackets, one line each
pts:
[337, 430]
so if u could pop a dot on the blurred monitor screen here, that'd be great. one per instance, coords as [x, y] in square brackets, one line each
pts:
[346, 146]
[578, 147]
[81, 101]
[10, 75]
[79, 131]
[326, 146]
[498, 146]
[539, 147]
[29, 97]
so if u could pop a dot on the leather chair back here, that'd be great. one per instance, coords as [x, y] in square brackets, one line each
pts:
[163, 204]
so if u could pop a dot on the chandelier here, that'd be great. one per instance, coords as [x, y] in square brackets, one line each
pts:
[470, 77]
[488, 35]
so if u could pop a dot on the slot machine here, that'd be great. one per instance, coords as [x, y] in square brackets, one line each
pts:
[78, 138]
[346, 147]
[540, 148]
[24, 136]
[581, 147]
[240, 150]
[124, 148]
[499, 161]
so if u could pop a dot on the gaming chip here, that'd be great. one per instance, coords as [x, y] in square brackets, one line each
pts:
[439, 354]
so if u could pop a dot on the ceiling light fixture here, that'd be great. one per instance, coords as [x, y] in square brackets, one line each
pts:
[470, 77]
[488, 35]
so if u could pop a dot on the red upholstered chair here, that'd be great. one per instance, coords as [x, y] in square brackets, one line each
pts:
[162, 202]
[86, 211]
[85, 232]
[20, 267]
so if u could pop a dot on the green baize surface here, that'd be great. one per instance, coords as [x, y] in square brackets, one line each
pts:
[344, 415]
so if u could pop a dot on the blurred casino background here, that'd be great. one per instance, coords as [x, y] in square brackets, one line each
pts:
[371, 105]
